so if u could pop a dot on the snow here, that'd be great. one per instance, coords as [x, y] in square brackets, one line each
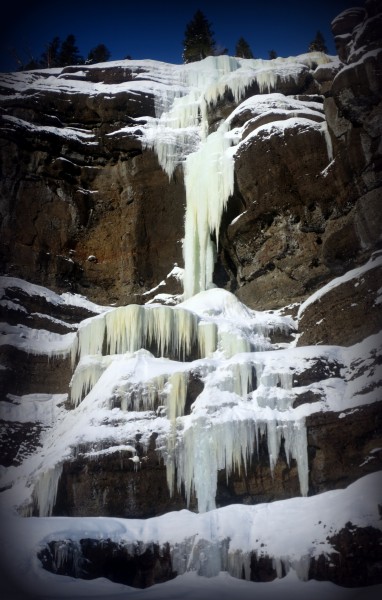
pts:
[36, 341]
[221, 538]
[42, 408]
[69, 133]
[31, 289]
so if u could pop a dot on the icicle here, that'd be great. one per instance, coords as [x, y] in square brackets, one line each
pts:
[301, 567]
[239, 563]
[176, 401]
[137, 397]
[170, 330]
[238, 379]
[45, 490]
[207, 338]
[90, 337]
[298, 447]
[203, 450]
[231, 343]
[125, 329]
[176, 398]
[328, 140]
[160, 328]
[209, 183]
[86, 375]
[278, 565]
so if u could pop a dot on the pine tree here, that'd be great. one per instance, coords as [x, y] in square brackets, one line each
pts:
[272, 54]
[243, 49]
[98, 54]
[198, 39]
[318, 44]
[49, 58]
[69, 53]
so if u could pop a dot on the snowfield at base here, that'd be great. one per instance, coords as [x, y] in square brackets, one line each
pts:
[290, 531]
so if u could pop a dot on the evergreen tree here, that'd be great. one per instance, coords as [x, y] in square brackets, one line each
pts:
[98, 54]
[272, 54]
[28, 65]
[318, 44]
[49, 58]
[69, 53]
[243, 49]
[219, 50]
[31, 65]
[198, 39]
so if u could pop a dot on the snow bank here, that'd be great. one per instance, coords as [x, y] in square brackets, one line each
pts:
[291, 531]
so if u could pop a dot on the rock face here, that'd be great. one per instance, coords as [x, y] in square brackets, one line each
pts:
[64, 200]
[87, 208]
[313, 214]
[71, 193]
[91, 558]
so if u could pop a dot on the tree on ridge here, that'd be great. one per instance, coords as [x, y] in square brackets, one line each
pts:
[49, 58]
[198, 40]
[98, 54]
[69, 53]
[243, 49]
[62, 54]
[318, 44]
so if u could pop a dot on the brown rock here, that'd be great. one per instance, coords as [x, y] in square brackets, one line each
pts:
[343, 447]
[342, 29]
[119, 562]
[113, 485]
[346, 314]
[356, 561]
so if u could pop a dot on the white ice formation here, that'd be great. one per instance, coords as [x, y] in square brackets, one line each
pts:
[180, 135]
[226, 345]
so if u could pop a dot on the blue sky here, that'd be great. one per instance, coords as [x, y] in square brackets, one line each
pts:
[146, 29]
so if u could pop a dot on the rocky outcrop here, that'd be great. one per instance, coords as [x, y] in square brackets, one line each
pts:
[342, 447]
[115, 486]
[355, 561]
[347, 310]
[77, 202]
[91, 559]
[313, 213]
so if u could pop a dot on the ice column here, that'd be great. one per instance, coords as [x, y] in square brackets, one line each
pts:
[176, 400]
[45, 491]
[209, 183]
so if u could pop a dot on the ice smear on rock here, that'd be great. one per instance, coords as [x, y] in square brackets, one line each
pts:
[179, 135]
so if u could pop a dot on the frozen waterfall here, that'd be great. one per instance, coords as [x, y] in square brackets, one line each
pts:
[180, 136]
[140, 359]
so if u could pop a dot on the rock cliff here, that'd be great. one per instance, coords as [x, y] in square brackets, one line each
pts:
[93, 207]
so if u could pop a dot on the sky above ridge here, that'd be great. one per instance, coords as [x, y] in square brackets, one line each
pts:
[155, 30]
